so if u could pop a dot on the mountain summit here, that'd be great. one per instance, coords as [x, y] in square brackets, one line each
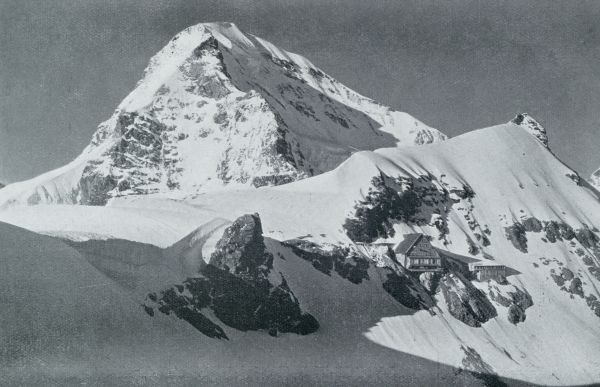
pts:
[219, 107]
[527, 122]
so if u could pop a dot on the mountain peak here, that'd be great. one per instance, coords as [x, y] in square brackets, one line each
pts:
[217, 107]
[528, 123]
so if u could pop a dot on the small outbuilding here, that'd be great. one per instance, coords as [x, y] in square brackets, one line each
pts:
[486, 271]
[457, 262]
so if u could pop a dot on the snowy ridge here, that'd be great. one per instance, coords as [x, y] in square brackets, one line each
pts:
[215, 108]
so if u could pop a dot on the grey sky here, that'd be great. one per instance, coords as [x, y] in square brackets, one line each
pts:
[66, 64]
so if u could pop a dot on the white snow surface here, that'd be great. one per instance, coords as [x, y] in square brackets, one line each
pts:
[514, 177]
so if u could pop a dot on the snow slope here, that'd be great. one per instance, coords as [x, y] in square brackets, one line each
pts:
[215, 107]
[523, 208]
[82, 327]
[60, 315]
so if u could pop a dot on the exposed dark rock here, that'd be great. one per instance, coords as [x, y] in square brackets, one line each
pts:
[261, 181]
[558, 231]
[345, 262]
[245, 306]
[473, 248]
[466, 193]
[576, 178]
[516, 234]
[465, 302]
[407, 291]
[594, 304]
[575, 287]
[554, 231]
[95, 187]
[587, 237]
[335, 118]
[592, 267]
[392, 200]
[516, 300]
[209, 44]
[130, 165]
[516, 314]
[242, 251]
[568, 281]
[532, 225]
[235, 286]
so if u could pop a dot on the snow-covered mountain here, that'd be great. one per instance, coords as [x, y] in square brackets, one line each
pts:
[496, 194]
[216, 106]
[248, 200]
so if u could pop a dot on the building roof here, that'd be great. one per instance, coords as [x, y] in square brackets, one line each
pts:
[456, 257]
[409, 241]
[489, 264]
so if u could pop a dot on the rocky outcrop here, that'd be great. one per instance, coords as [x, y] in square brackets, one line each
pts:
[553, 231]
[236, 287]
[422, 200]
[567, 281]
[429, 281]
[516, 235]
[407, 290]
[135, 164]
[346, 263]
[241, 251]
[382, 205]
[465, 302]
[515, 299]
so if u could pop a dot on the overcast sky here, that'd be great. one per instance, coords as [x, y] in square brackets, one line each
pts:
[66, 64]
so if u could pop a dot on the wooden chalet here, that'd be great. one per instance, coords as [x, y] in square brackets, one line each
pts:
[416, 253]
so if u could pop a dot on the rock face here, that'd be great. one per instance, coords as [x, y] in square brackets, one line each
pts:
[241, 250]
[515, 299]
[465, 302]
[346, 263]
[218, 107]
[532, 126]
[235, 286]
